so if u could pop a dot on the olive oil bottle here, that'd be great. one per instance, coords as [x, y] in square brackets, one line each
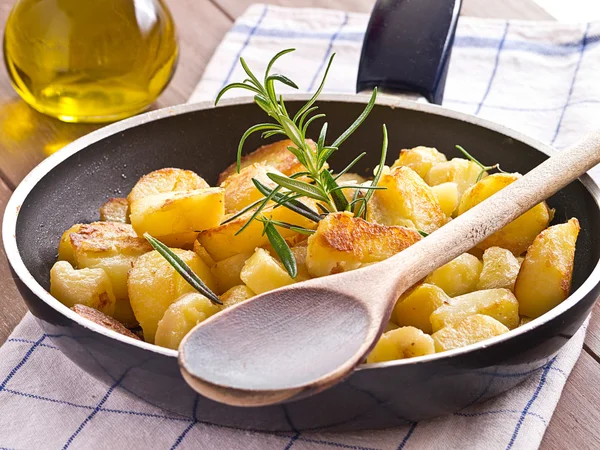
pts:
[90, 60]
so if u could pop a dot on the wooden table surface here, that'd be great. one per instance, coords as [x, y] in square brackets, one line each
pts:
[26, 137]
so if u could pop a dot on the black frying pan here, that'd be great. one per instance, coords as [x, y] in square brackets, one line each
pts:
[69, 187]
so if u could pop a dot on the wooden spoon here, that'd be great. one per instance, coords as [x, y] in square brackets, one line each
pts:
[298, 340]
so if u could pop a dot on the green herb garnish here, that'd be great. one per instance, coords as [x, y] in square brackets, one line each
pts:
[484, 169]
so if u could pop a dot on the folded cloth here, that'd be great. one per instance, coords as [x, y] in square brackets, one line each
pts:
[536, 77]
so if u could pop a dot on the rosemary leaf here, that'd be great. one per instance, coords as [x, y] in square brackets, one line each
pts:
[282, 79]
[323, 208]
[300, 187]
[291, 204]
[249, 73]
[243, 211]
[359, 120]
[322, 135]
[423, 233]
[363, 207]
[262, 206]
[313, 99]
[309, 121]
[349, 166]
[183, 269]
[249, 131]
[334, 191]
[275, 58]
[303, 117]
[292, 227]
[292, 131]
[281, 248]
[234, 86]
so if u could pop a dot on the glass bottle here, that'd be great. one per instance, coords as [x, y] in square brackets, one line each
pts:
[90, 60]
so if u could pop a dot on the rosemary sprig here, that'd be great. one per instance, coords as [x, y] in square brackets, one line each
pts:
[281, 247]
[484, 169]
[183, 269]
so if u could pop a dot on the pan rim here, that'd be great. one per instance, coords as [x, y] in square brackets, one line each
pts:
[28, 183]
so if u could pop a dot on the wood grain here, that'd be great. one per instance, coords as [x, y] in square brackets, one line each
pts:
[592, 340]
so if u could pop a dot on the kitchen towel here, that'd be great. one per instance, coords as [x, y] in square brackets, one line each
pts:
[536, 77]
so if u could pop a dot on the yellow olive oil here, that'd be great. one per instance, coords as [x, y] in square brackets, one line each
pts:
[90, 60]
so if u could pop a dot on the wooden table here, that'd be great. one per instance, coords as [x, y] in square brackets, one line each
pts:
[26, 137]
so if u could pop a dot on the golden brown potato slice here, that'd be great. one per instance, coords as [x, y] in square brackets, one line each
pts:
[203, 254]
[468, 331]
[89, 287]
[420, 159]
[500, 269]
[227, 271]
[166, 180]
[154, 285]
[415, 307]
[115, 210]
[114, 247]
[458, 170]
[240, 191]
[545, 276]
[343, 242]
[457, 277]
[236, 294]
[406, 200]
[263, 273]
[102, 319]
[181, 316]
[65, 249]
[175, 218]
[222, 242]
[275, 155]
[447, 195]
[520, 233]
[500, 304]
[403, 342]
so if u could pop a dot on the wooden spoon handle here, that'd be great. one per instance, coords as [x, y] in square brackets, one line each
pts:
[472, 227]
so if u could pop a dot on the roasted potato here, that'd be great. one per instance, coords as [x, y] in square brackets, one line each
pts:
[262, 272]
[227, 271]
[403, 342]
[203, 254]
[181, 316]
[350, 179]
[89, 287]
[415, 307]
[545, 276]
[239, 189]
[343, 242]
[222, 242]
[175, 218]
[420, 159]
[115, 210]
[154, 285]
[447, 195]
[275, 155]
[114, 247]
[458, 170]
[520, 233]
[500, 304]
[406, 200]
[467, 331]
[236, 294]
[166, 180]
[457, 277]
[102, 319]
[300, 252]
[65, 248]
[500, 269]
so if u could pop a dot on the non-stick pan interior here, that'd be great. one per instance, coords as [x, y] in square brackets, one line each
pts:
[205, 141]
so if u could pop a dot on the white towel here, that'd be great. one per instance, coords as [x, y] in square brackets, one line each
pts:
[536, 77]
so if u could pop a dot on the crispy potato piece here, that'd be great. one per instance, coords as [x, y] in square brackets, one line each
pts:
[227, 271]
[166, 180]
[181, 316]
[545, 276]
[457, 277]
[520, 233]
[115, 210]
[458, 170]
[89, 287]
[236, 294]
[114, 247]
[447, 195]
[276, 155]
[221, 241]
[203, 254]
[300, 252]
[343, 242]
[468, 331]
[65, 249]
[420, 159]
[102, 319]
[240, 190]
[175, 218]
[500, 304]
[500, 269]
[154, 285]
[403, 342]
[263, 273]
[350, 179]
[415, 307]
[407, 199]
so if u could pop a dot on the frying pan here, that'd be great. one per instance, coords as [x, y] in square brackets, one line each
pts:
[69, 186]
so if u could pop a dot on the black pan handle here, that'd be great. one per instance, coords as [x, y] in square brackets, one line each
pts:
[407, 47]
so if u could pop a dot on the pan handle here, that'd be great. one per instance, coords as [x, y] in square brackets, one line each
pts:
[407, 47]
